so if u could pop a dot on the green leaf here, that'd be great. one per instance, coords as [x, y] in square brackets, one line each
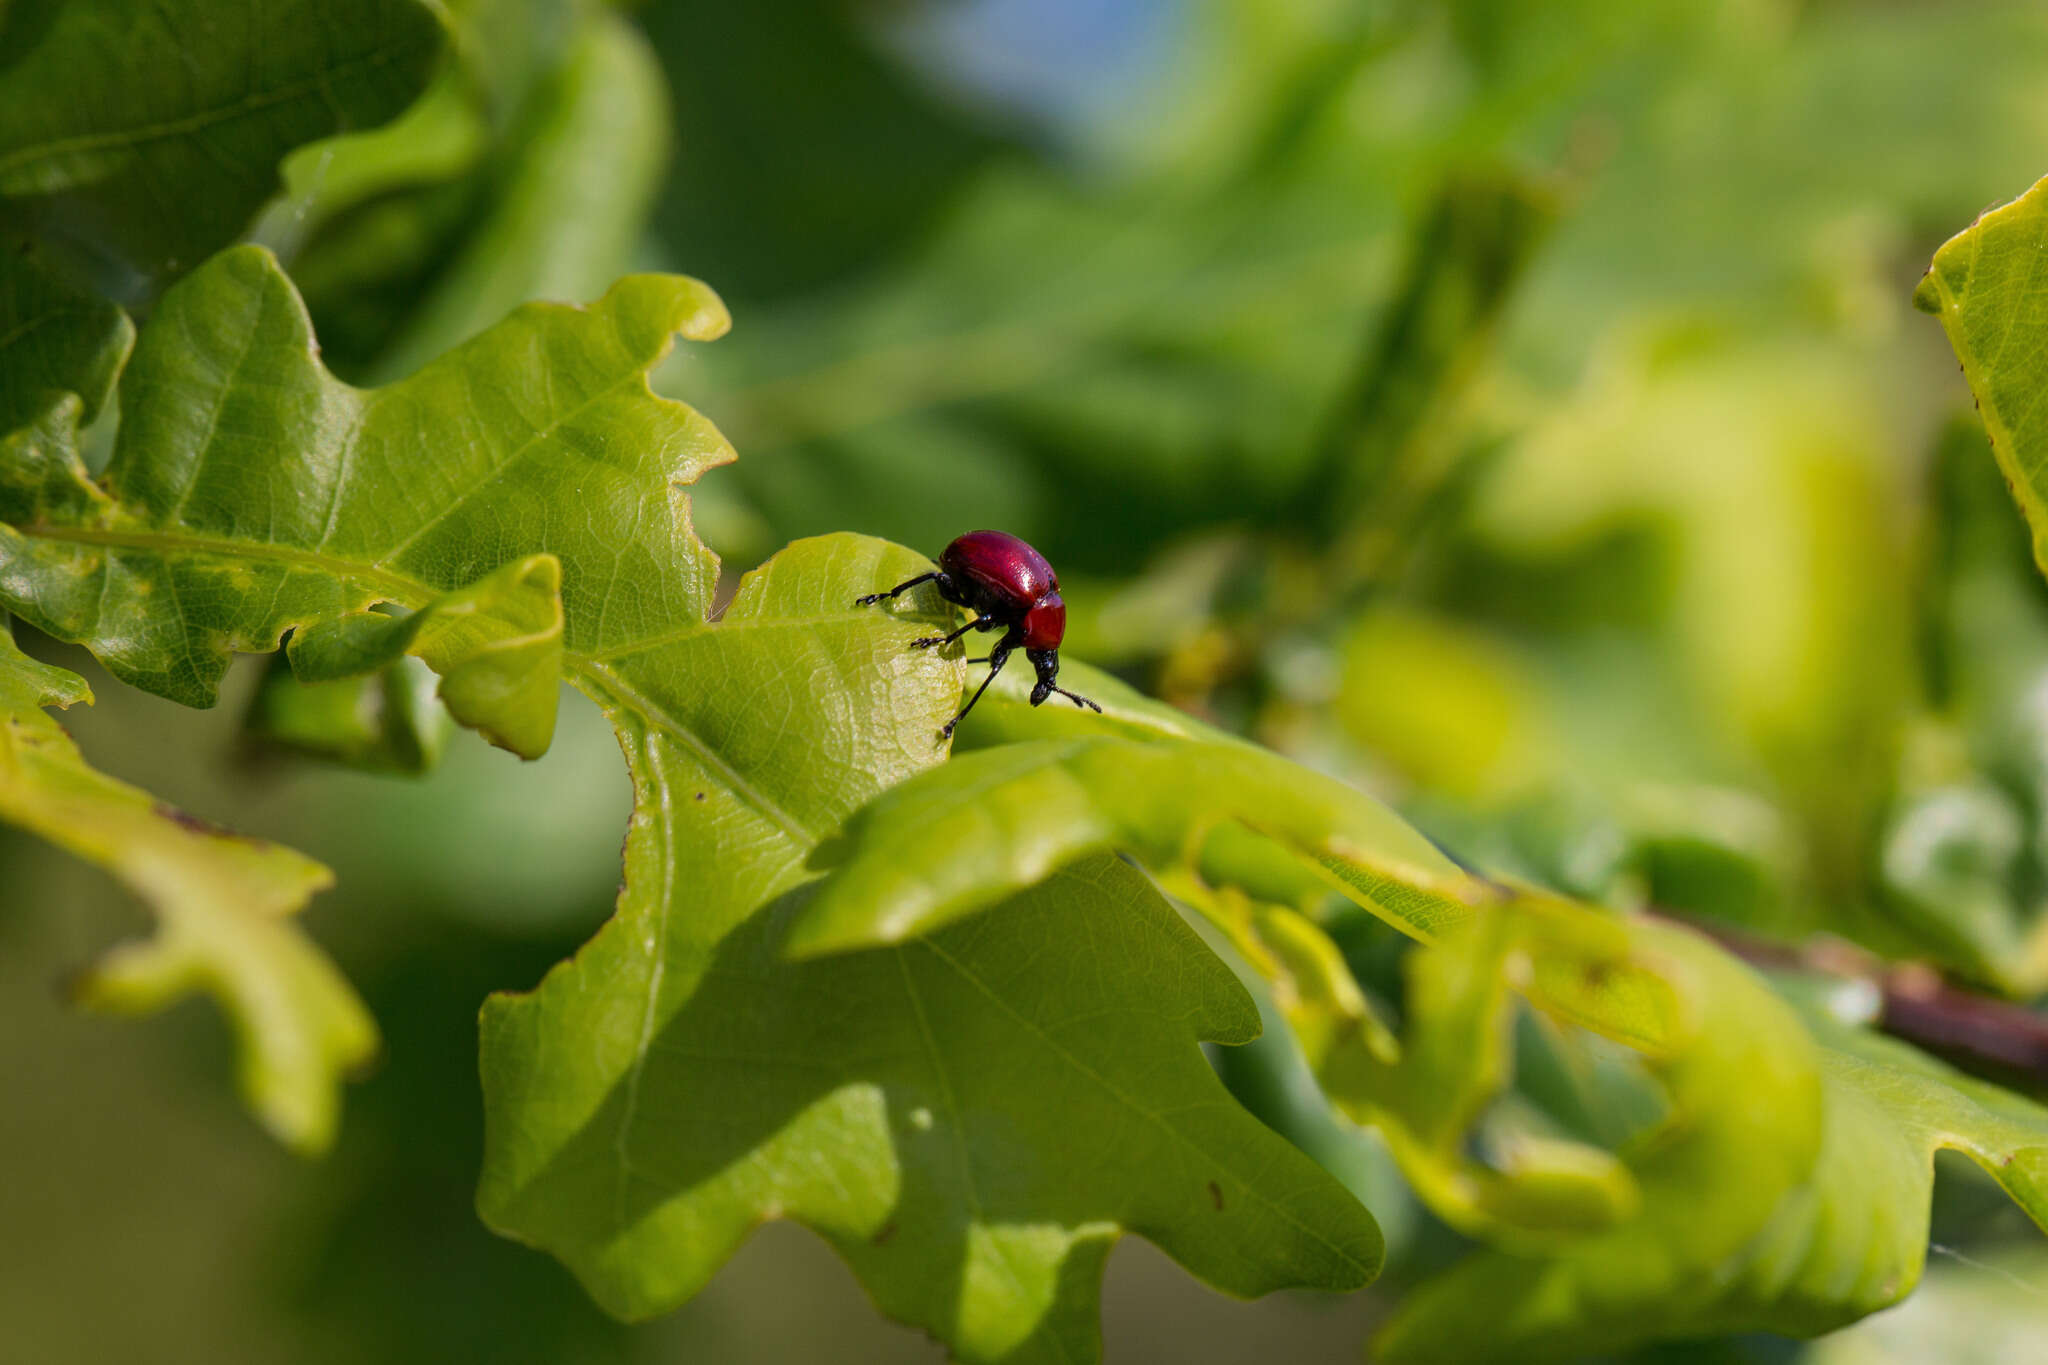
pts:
[222, 904]
[371, 223]
[1773, 1186]
[1383, 452]
[1984, 287]
[1859, 1240]
[923, 1107]
[1783, 1186]
[1110, 366]
[257, 494]
[596, 137]
[1271, 1077]
[1454, 1056]
[497, 645]
[147, 136]
[387, 721]
[1847, 1238]
[849, 160]
[54, 339]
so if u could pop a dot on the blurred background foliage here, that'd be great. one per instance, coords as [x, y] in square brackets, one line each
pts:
[1513, 408]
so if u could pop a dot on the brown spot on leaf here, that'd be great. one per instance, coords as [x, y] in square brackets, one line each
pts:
[700, 796]
[164, 810]
[198, 824]
[1216, 1195]
[888, 1230]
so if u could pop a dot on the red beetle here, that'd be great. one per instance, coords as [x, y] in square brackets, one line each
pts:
[1006, 583]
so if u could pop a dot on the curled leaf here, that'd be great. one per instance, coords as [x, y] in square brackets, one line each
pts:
[496, 643]
[958, 838]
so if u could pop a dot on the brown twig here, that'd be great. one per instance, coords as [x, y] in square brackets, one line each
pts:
[1978, 1033]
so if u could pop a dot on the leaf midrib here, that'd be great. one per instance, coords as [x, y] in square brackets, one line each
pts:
[86, 143]
[1109, 1087]
[407, 591]
[49, 318]
[590, 672]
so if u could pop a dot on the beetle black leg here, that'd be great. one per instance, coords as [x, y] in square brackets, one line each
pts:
[935, 575]
[979, 623]
[998, 658]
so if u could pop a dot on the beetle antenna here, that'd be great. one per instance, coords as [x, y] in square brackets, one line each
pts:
[1076, 698]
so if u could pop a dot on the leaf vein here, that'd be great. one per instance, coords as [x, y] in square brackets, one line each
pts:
[15, 162]
[1251, 1188]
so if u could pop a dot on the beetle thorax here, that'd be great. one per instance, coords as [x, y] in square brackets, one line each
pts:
[1045, 624]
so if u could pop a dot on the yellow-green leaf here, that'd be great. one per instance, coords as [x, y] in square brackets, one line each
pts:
[252, 493]
[222, 904]
[971, 1119]
[1987, 287]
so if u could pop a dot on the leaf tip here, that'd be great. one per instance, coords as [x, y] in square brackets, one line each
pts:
[1927, 295]
[687, 307]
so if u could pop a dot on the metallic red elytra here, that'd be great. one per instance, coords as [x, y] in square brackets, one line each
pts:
[1006, 583]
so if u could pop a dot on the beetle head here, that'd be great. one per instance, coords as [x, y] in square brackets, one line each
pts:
[1047, 662]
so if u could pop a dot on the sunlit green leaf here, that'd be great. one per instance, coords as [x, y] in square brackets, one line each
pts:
[535, 456]
[1773, 1186]
[497, 645]
[921, 1106]
[957, 839]
[1986, 288]
[222, 904]
[1721, 1234]
[256, 494]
